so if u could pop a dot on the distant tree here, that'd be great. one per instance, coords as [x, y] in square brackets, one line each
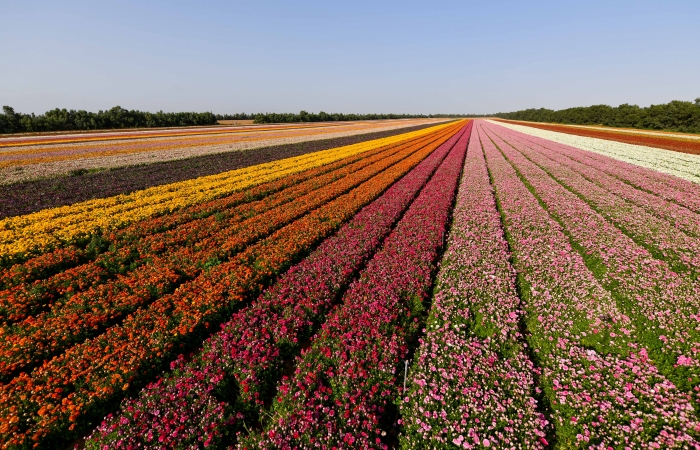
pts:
[673, 116]
[117, 117]
[9, 121]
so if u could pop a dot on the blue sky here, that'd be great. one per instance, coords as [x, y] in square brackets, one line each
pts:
[350, 56]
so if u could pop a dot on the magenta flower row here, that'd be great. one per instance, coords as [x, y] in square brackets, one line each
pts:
[619, 181]
[662, 303]
[682, 192]
[657, 234]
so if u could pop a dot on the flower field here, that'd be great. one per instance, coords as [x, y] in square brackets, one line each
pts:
[639, 152]
[28, 157]
[31, 195]
[684, 143]
[468, 284]
[20, 235]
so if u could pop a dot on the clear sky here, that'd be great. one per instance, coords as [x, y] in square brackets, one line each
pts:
[346, 56]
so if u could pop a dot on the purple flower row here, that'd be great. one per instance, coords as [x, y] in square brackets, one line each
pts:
[600, 385]
[472, 382]
[205, 401]
[343, 388]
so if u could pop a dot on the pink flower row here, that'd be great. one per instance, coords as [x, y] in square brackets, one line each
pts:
[601, 386]
[682, 192]
[207, 400]
[662, 304]
[657, 234]
[611, 179]
[472, 382]
[342, 391]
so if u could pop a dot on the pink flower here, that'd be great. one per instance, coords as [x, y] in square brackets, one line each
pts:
[685, 361]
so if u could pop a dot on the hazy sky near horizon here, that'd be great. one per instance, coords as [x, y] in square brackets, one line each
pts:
[352, 56]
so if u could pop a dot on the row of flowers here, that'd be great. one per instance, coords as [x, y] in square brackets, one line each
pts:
[129, 152]
[37, 282]
[677, 190]
[70, 391]
[681, 143]
[27, 343]
[681, 165]
[29, 194]
[101, 136]
[344, 386]
[29, 285]
[60, 159]
[56, 226]
[679, 216]
[601, 387]
[91, 146]
[472, 383]
[246, 358]
[662, 239]
[62, 258]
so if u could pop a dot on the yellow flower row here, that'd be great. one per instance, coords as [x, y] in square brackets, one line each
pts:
[53, 226]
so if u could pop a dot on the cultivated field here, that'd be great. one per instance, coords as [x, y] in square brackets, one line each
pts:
[465, 284]
[27, 157]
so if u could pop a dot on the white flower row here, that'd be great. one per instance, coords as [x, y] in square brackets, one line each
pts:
[682, 165]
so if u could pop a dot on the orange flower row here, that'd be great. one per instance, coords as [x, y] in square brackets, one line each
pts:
[62, 258]
[133, 246]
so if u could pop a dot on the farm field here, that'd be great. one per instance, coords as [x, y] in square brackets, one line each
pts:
[461, 284]
[680, 161]
[680, 142]
[621, 130]
[28, 157]
[23, 197]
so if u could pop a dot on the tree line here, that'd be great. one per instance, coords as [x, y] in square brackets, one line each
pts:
[673, 116]
[118, 117]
